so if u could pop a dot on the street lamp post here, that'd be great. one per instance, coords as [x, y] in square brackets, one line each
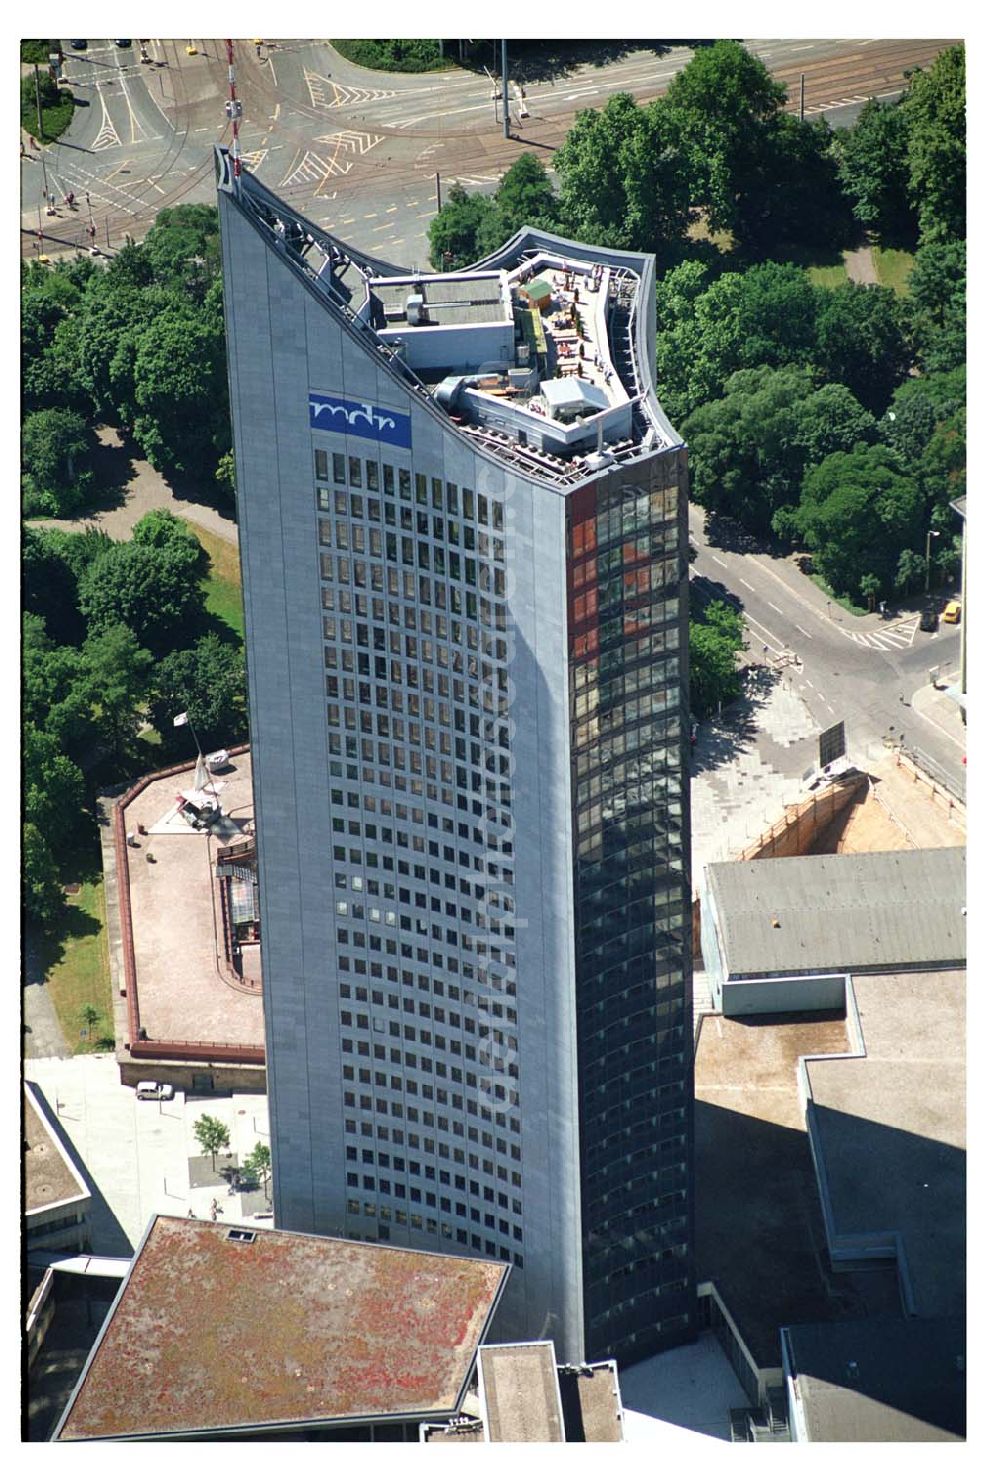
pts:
[931, 533]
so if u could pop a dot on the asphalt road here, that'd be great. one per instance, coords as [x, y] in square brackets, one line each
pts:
[862, 669]
[356, 151]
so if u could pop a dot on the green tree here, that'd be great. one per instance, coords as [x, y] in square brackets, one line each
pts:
[726, 105]
[116, 673]
[935, 112]
[164, 530]
[925, 425]
[259, 1163]
[524, 196]
[750, 448]
[870, 586]
[454, 233]
[715, 644]
[910, 570]
[50, 302]
[858, 511]
[763, 316]
[212, 1135]
[208, 682]
[54, 695]
[154, 591]
[225, 474]
[183, 246]
[89, 1016]
[55, 459]
[40, 890]
[937, 305]
[181, 397]
[873, 159]
[53, 793]
[48, 586]
[860, 341]
[624, 178]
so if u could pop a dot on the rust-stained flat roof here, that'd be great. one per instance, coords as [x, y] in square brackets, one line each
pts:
[211, 1334]
[519, 1391]
[49, 1177]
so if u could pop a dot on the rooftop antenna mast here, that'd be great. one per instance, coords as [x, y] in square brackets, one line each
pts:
[234, 112]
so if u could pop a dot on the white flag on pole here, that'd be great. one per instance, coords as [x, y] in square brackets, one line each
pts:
[180, 720]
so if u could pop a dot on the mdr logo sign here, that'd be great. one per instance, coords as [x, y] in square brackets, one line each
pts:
[349, 417]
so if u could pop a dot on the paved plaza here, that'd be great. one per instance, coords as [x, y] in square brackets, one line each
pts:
[135, 1154]
[746, 768]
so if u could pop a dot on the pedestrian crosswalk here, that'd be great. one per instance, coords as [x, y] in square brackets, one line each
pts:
[898, 637]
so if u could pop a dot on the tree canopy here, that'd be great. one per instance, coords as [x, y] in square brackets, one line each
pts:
[749, 449]
[715, 644]
[935, 112]
[55, 462]
[624, 178]
[874, 164]
[857, 514]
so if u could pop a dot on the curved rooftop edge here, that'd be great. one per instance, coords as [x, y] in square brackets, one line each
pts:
[542, 354]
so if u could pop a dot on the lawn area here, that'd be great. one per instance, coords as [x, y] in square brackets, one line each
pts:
[76, 969]
[222, 582]
[827, 276]
[57, 109]
[893, 268]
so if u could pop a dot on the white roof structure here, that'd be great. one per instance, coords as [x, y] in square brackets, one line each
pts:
[573, 394]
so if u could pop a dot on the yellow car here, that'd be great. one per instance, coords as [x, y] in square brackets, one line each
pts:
[952, 612]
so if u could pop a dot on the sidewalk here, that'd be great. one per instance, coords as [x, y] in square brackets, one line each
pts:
[935, 705]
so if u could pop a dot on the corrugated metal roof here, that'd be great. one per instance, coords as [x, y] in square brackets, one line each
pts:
[881, 910]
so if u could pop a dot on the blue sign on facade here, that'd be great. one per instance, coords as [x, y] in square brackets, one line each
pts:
[330, 413]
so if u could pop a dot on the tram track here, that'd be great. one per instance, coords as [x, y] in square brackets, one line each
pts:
[870, 69]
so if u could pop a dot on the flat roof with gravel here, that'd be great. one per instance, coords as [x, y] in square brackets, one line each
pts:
[182, 983]
[898, 1380]
[519, 1391]
[757, 1216]
[805, 914]
[49, 1176]
[213, 1333]
[890, 1128]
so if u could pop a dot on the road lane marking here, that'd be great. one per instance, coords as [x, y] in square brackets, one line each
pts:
[776, 607]
[776, 641]
[720, 561]
[749, 586]
[802, 628]
[809, 684]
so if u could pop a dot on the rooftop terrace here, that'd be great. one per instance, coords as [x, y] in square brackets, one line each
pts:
[477, 345]
[215, 1333]
[184, 989]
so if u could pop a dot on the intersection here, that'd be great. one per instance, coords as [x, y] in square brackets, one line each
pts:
[361, 153]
